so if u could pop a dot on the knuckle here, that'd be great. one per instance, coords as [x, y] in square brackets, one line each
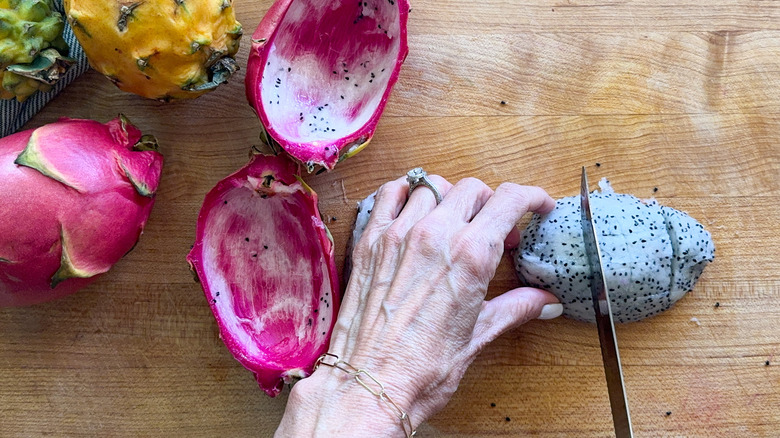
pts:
[473, 184]
[388, 189]
[518, 195]
[424, 232]
[440, 181]
[392, 237]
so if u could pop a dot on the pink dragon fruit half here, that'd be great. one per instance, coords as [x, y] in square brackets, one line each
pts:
[76, 196]
[320, 73]
[265, 261]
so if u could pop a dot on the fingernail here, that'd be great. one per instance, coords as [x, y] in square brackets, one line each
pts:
[550, 311]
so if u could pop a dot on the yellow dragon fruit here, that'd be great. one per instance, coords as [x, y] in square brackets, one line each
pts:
[33, 54]
[160, 49]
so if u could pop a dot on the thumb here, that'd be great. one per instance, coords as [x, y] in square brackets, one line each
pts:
[509, 310]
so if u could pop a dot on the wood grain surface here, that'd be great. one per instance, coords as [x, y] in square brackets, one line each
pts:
[678, 95]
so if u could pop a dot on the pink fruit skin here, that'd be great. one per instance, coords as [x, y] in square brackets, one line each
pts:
[101, 220]
[245, 244]
[322, 151]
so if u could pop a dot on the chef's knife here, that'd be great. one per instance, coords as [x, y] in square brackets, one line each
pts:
[604, 323]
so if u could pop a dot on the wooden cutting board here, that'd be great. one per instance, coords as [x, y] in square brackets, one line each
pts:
[680, 96]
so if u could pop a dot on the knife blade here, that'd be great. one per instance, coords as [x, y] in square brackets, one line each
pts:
[606, 326]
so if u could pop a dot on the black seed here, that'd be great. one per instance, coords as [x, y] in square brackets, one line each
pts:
[346, 78]
[503, 102]
[668, 413]
[655, 189]
[289, 69]
[508, 419]
[598, 164]
[766, 363]
[492, 405]
[342, 97]
[225, 202]
[332, 218]
[717, 304]
[335, 72]
[265, 246]
[246, 238]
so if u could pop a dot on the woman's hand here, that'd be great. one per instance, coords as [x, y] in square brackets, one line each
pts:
[414, 314]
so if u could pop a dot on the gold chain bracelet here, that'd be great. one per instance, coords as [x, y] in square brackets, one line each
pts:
[333, 361]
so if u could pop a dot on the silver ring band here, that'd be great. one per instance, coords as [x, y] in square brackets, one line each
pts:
[418, 177]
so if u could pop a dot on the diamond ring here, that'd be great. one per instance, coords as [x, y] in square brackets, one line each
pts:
[418, 177]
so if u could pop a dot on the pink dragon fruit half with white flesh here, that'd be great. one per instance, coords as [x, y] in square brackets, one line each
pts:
[265, 261]
[320, 73]
[76, 196]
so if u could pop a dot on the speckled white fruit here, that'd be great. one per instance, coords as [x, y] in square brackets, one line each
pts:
[652, 254]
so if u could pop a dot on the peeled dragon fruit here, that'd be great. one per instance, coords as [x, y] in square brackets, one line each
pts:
[160, 49]
[265, 261]
[653, 255]
[320, 73]
[76, 197]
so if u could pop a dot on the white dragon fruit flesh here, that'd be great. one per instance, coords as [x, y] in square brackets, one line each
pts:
[76, 196]
[652, 254]
[265, 261]
[320, 72]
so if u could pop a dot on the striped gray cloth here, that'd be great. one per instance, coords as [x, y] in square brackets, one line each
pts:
[13, 114]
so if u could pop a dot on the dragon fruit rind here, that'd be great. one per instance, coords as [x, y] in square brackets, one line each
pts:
[320, 73]
[265, 261]
[76, 196]
[653, 255]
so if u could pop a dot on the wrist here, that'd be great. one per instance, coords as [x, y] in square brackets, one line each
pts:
[332, 403]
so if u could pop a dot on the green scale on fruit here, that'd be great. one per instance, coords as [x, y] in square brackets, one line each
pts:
[33, 55]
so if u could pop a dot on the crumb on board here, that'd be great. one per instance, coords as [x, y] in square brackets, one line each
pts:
[696, 321]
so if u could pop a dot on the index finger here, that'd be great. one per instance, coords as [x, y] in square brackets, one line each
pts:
[506, 207]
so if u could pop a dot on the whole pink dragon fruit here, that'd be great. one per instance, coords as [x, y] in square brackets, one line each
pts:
[320, 73]
[265, 261]
[76, 196]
